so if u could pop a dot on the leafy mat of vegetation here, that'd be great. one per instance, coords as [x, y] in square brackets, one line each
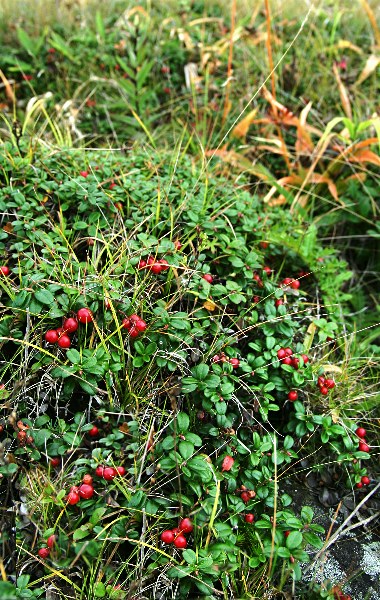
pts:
[178, 342]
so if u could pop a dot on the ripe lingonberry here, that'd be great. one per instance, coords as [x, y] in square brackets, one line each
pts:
[121, 471]
[292, 395]
[363, 447]
[43, 552]
[185, 525]
[64, 341]
[86, 491]
[5, 270]
[51, 541]
[87, 478]
[365, 480]
[249, 518]
[235, 362]
[94, 431]
[167, 536]
[180, 541]
[72, 498]
[99, 471]
[109, 473]
[70, 325]
[84, 315]
[207, 277]
[51, 336]
[361, 432]
[324, 390]
[330, 383]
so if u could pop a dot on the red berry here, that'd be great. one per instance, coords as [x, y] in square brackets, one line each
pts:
[321, 380]
[288, 351]
[55, 462]
[278, 303]
[51, 336]
[264, 244]
[296, 362]
[109, 473]
[305, 358]
[86, 491]
[84, 173]
[185, 525]
[295, 284]
[227, 463]
[324, 390]
[287, 361]
[363, 447]
[164, 264]
[287, 281]
[59, 331]
[121, 471]
[249, 518]
[180, 541]
[64, 341]
[330, 383]
[235, 362]
[177, 245]
[167, 536]
[176, 530]
[207, 277]
[74, 488]
[293, 395]
[84, 315]
[72, 498]
[245, 497]
[21, 436]
[70, 325]
[365, 480]
[133, 332]
[43, 552]
[361, 432]
[141, 325]
[51, 541]
[94, 431]
[99, 471]
[126, 323]
[216, 358]
[359, 485]
[141, 264]
[281, 353]
[150, 261]
[87, 478]
[156, 268]
[286, 533]
[5, 270]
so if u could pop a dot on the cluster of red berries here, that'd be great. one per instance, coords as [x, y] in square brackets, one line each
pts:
[285, 355]
[258, 279]
[235, 362]
[363, 446]
[5, 270]
[325, 385]
[134, 325]
[246, 495]
[70, 325]
[364, 481]
[23, 436]
[156, 266]
[109, 473]
[290, 282]
[85, 491]
[176, 536]
[45, 551]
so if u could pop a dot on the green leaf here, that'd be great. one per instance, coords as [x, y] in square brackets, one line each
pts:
[294, 540]
[82, 532]
[201, 371]
[44, 296]
[307, 514]
[186, 450]
[99, 590]
[183, 422]
[190, 556]
[73, 356]
[283, 552]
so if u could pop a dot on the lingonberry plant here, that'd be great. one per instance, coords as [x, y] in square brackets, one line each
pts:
[171, 372]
